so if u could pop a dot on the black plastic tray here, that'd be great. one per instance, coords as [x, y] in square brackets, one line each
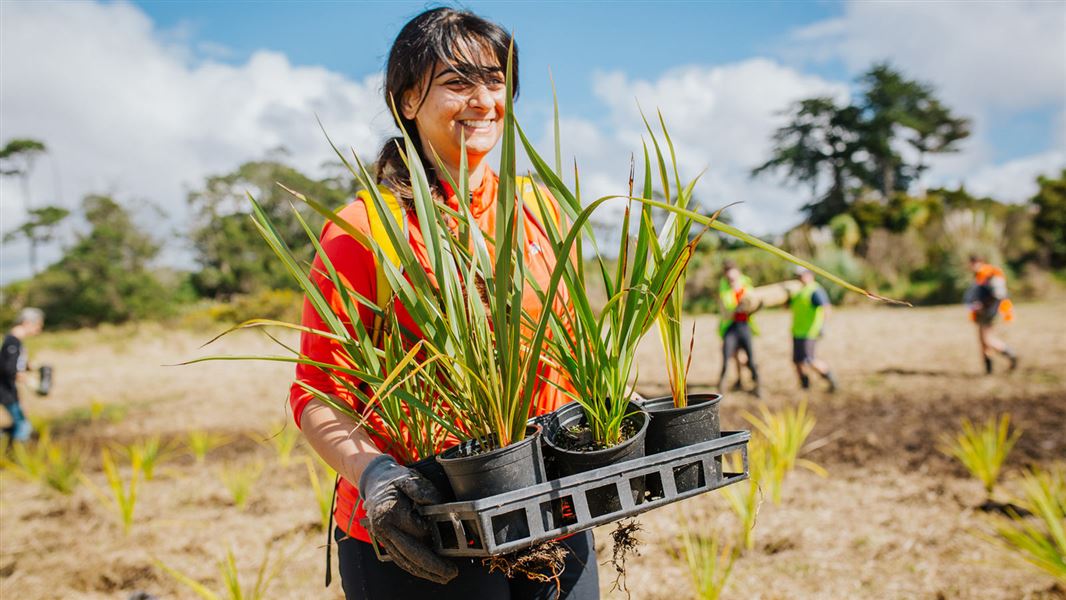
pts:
[519, 519]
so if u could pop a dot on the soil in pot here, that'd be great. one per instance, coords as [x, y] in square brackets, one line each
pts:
[569, 450]
[671, 428]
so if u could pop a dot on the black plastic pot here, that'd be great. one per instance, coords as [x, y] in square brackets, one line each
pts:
[562, 462]
[672, 428]
[475, 476]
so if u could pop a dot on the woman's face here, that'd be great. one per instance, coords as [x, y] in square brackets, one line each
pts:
[456, 108]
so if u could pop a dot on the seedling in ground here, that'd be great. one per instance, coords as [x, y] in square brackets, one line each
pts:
[200, 443]
[982, 450]
[150, 453]
[239, 481]
[322, 483]
[785, 432]
[709, 561]
[745, 498]
[1039, 540]
[123, 498]
[283, 438]
[229, 577]
[55, 467]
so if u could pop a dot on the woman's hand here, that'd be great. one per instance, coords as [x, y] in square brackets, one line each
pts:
[390, 492]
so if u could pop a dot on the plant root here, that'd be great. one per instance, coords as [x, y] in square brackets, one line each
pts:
[626, 543]
[543, 563]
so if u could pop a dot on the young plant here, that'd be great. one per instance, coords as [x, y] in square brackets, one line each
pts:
[709, 562]
[54, 466]
[123, 499]
[150, 453]
[322, 484]
[230, 578]
[239, 481]
[745, 498]
[785, 432]
[283, 438]
[1039, 540]
[199, 443]
[982, 451]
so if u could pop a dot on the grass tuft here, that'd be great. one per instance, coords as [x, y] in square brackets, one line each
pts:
[982, 450]
[123, 498]
[1039, 540]
[199, 443]
[239, 481]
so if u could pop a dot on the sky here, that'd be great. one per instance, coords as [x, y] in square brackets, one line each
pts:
[144, 100]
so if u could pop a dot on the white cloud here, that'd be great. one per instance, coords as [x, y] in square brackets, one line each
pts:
[127, 108]
[981, 55]
[1015, 181]
[720, 119]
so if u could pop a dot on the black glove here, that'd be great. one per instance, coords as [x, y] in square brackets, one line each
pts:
[390, 492]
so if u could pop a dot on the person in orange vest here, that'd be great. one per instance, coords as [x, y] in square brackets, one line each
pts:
[445, 72]
[987, 299]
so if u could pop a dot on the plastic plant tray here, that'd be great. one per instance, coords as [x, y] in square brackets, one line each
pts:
[516, 520]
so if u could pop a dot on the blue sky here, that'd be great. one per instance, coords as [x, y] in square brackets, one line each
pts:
[574, 40]
[144, 100]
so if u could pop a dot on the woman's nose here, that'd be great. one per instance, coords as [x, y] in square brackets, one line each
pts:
[481, 97]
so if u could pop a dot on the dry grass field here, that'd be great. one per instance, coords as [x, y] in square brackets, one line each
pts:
[894, 518]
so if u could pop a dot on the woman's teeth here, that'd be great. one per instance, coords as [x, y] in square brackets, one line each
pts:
[476, 124]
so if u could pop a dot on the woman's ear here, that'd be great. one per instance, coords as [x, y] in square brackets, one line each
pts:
[409, 102]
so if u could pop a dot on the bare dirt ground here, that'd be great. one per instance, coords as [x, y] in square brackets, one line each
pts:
[894, 519]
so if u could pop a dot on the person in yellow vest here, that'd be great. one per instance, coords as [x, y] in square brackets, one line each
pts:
[987, 299]
[736, 325]
[810, 306]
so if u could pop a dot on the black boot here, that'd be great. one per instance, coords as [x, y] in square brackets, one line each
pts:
[832, 381]
[988, 365]
[805, 382]
[1012, 357]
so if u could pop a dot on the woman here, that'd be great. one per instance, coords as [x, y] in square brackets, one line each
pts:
[445, 75]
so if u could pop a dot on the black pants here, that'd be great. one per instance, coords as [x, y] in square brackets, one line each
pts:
[738, 337]
[364, 577]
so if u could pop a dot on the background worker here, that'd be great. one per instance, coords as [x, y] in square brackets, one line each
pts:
[810, 307]
[736, 324]
[14, 363]
[987, 299]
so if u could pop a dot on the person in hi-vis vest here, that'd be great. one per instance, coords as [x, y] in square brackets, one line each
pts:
[809, 306]
[736, 325]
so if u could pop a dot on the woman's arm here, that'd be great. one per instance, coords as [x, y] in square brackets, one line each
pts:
[338, 439]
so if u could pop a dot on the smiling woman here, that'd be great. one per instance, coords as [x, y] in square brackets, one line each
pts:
[446, 83]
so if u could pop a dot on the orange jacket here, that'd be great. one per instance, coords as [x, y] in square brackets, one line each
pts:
[356, 266]
[984, 275]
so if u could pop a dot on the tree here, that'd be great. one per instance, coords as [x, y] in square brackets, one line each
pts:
[233, 258]
[40, 227]
[17, 158]
[821, 142]
[1049, 223]
[859, 146]
[893, 108]
[105, 276]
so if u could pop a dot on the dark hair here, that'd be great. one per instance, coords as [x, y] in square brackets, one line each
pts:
[445, 35]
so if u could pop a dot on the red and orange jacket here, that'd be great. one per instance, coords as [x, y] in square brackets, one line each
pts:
[357, 268]
[984, 276]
